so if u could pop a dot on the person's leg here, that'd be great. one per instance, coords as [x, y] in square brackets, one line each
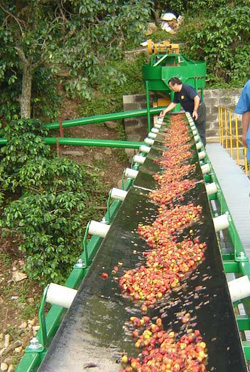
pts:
[201, 122]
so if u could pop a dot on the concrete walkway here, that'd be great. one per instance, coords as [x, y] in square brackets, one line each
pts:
[236, 189]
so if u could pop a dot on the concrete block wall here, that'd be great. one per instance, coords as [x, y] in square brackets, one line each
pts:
[213, 99]
[136, 128]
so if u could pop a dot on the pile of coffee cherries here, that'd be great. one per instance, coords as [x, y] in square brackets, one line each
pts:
[169, 259]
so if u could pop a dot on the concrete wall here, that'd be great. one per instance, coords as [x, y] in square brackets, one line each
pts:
[136, 128]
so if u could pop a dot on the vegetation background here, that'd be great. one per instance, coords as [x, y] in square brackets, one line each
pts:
[56, 52]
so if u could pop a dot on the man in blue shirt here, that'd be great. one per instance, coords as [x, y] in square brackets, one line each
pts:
[190, 101]
[243, 108]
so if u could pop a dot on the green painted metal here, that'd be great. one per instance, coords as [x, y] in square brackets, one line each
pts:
[88, 142]
[231, 266]
[93, 142]
[243, 322]
[148, 105]
[49, 325]
[235, 262]
[102, 118]
[161, 69]
[246, 348]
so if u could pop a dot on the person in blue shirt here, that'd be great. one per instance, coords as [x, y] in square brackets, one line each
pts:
[243, 108]
[190, 101]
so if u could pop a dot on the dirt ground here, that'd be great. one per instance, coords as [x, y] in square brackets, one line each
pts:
[19, 297]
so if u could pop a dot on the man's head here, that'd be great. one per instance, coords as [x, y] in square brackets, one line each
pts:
[175, 84]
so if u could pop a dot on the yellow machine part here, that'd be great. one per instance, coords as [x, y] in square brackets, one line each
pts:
[163, 102]
[162, 47]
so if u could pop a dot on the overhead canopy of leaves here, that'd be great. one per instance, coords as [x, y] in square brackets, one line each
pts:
[222, 40]
[74, 39]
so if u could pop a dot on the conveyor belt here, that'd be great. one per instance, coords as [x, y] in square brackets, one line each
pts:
[94, 332]
[235, 186]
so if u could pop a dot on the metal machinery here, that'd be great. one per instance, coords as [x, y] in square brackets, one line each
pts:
[166, 62]
[97, 331]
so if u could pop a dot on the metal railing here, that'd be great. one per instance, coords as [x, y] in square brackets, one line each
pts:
[230, 138]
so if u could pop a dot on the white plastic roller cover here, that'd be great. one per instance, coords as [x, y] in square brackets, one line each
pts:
[221, 222]
[155, 130]
[201, 155]
[145, 149]
[205, 168]
[149, 141]
[118, 194]
[98, 229]
[159, 120]
[139, 159]
[152, 135]
[199, 145]
[157, 126]
[211, 188]
[239, 288]
[60, 295]
[131, 173]
[196, 138]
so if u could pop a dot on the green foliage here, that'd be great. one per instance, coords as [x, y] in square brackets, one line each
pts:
[24, 143]
[49, 218]
[222, 41]
[73, 39]
[51, 228]
[132, 83]
[195, 7]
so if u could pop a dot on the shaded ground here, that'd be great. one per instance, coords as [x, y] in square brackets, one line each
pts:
[19, 297]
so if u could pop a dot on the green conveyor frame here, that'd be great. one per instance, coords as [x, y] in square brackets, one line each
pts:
[163, 67]
[235, 262]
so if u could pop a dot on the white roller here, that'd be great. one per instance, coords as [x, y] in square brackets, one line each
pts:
[239, 288]
[205, 168]
[195, 131]
[199, 145]
[221, 222]
[149, 141]
[98, 229]
[154, 130]
[60, 295]
[118, 194]
[159, 120]
[145, 149]
[139, 159]
[196, 138]
[157, 126]
[202, 155]
[131, 173]
[152, 135]
[211, 188]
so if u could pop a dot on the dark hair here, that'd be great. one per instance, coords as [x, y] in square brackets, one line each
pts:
[175, 80]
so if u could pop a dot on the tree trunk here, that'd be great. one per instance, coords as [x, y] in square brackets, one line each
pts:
[25, 98]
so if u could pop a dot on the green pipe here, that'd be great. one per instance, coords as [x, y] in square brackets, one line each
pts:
[93, 142]
[103, 118]
[87, 142]
[148, 106]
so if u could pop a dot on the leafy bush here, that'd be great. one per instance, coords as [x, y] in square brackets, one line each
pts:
[49, 218]
[23, 144]
[222, 41]
[132, 82]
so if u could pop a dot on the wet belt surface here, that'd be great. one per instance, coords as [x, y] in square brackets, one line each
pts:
[95, 330]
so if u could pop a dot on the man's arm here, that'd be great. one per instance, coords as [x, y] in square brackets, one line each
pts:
[196, 105]
[245, 125]
[170, 107]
